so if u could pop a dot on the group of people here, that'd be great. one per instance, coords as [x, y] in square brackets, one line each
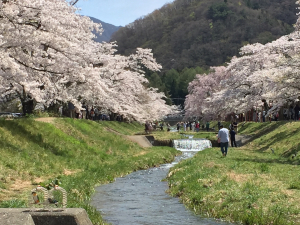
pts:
[193, 126]
[149, 126]
[85, 112]
[292, 113]
[224, 135]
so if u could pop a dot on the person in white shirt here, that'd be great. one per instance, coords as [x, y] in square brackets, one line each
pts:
[223, 135]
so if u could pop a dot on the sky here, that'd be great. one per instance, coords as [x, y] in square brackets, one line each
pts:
[119, 12]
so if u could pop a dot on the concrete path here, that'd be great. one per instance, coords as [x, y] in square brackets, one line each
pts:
[242, 139]
[141, 140]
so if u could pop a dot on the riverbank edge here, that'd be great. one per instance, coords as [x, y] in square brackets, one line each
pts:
[81, 184]
[254, 184]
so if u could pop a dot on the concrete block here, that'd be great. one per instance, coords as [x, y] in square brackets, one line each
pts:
[65, 216]
[11, 218]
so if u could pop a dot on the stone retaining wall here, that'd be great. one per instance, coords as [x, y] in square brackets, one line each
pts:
[23, 216]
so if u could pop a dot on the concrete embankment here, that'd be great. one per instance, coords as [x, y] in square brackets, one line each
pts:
[23, 216]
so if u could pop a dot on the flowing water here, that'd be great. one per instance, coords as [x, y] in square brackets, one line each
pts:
[140, 197]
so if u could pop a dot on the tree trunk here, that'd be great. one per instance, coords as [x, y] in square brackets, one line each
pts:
[113, 116]
[27, 106]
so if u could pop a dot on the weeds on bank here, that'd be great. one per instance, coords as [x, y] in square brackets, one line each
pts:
[252, 185]
[80, 153]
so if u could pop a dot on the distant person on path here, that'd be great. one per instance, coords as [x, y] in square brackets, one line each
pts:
[230, 126]
[285, 113]
[77, 113]
[197, 126]
[207, 126]
[232, 137]
[83, 111]
[96, 112]
[178, 126]
[161, 125]
[147, 130]
[235, 126]
[60, 111]
[71, 108]
[224, 139]
[92, 113]
[297, 109]
[276, 116]
[291, 113]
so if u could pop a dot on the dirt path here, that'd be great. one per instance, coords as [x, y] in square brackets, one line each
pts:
[141, 140]
[46, 119]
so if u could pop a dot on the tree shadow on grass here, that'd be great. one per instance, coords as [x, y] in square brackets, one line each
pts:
[269, 161]
[281, 137]
[266, 129]
[261, 130]
[19, 132]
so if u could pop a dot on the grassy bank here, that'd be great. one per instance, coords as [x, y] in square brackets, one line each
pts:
[252, 184]
[78, 153]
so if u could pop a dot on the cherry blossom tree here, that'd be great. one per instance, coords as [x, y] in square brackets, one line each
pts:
[199, 100]
[263, 72]
[48, 56]
[128, 94]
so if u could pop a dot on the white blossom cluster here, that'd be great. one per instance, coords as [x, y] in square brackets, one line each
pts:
[47, 53]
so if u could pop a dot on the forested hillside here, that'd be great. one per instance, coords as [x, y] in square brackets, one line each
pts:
[191, 33]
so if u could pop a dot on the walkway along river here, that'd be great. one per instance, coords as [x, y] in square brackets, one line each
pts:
[140, 197]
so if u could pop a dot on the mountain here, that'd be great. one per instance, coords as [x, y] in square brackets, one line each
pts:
[191, 33]
[109, 29]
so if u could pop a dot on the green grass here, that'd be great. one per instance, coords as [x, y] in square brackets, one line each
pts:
[123, 127]
[251, 185]
[79, 153]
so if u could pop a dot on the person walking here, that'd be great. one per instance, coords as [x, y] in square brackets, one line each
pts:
[207, 126]
[147, 127]
[232, 137]
[178, 126]
[71, 108]
[197, 126]
[184, 126]
[223, 136]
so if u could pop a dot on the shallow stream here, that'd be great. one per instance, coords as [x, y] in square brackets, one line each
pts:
[140, 199]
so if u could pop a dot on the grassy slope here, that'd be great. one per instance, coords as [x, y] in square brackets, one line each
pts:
[251, 185]
[81, 154]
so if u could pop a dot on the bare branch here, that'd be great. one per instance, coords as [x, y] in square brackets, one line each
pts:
[73, 3]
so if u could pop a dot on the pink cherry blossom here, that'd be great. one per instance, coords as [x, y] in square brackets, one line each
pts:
[47, 54]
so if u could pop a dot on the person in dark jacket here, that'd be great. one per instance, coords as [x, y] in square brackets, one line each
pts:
[297, 109]
[232, 137]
